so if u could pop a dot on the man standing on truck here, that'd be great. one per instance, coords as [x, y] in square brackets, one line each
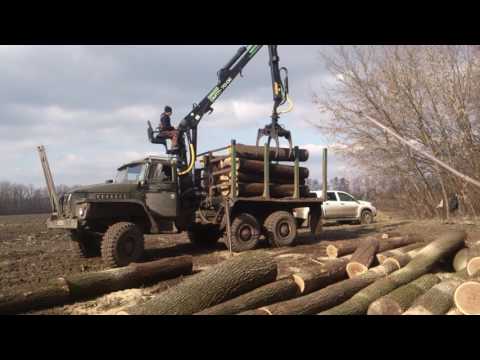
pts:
[166, 128]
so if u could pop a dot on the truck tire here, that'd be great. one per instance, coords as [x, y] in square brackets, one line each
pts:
[204, 235]
[85, 245]
[245, 230]
[366, 218]
[122, 244]
[281, 229]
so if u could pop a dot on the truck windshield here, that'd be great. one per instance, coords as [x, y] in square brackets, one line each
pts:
[131, 174]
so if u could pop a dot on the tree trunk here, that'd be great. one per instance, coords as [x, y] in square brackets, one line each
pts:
[280, 290]
[242, 177]
[55, 294]
[473, 266]
[257, 167]
[436, 301]
[257, 153]
[464, 256]
[426, 258]
[363, 257]
[331, 295]
[340, 248]
[88, 285]
[318, 276]
[135, 275]
[255, 312]
[222, 282]
[467, 298]
[400, 299]
[381, 257]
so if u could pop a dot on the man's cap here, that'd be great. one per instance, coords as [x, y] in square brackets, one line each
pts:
[168, 109]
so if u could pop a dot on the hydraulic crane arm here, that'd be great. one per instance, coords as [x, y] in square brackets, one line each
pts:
[227, 74]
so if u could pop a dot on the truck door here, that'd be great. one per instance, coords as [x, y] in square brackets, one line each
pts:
[331, 206]
[161, 193]
[348, 205]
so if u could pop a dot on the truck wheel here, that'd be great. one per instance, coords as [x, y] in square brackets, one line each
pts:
[366, 217]
[245, 231]
[204, 235]
[86, 245]
[122, 244]
[281, 229]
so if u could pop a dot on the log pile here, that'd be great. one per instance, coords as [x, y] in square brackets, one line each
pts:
[401, 281]
[244, 168]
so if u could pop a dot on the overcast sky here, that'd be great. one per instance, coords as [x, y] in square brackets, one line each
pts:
[89, 105]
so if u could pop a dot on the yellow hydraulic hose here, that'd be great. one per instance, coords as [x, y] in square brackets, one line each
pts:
[192, 161]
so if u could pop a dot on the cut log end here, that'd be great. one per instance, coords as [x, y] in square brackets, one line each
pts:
[473, 267]
[384, 306]
[467, 298]
[300, 282]
[393, 261]
[355, 269]
[381, 258]
[332, 252]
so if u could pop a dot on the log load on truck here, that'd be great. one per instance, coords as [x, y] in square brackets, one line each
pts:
[242, 191]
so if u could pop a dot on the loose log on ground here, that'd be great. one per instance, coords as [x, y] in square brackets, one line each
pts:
[381, 257]
[222, 282]
[256, 189]
[400, 299]
[436, 301]
[473, 266]
[464, 256]
[363, 257]
[318, 276]
[89, 285]
[421, 264]
[280, 290]
[454, 311]
[257, 153]
[257, 167]
[331, 295]
[256, 312]
[55, 294]
[340, 248]
[467, 298]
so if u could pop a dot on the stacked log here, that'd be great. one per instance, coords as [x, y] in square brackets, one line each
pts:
[250, 172]
[362, 258]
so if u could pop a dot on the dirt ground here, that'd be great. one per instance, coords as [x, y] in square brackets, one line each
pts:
[30, 256]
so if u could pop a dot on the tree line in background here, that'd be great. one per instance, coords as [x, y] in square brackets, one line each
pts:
[25, 199]
[430, 96]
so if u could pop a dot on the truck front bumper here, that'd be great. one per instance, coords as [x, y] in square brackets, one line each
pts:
[56, 223]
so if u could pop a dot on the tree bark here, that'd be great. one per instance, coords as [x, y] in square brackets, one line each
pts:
[381, 257]
[363, 257]
[254, 153]
[256, 312]
[442, 247]
[257, 167]
[222, 282]
[280, 290]
[318, 276]
[340, 248]
[436, 301]
[467, 298]
[400, 299]
[55, 294]
[88, 285]
[464, 256]
[331, 295]
[242, 177]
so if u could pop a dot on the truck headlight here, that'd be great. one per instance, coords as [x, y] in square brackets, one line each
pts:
[82, 211]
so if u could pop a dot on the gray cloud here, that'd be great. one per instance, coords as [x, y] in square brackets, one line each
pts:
[89, 104]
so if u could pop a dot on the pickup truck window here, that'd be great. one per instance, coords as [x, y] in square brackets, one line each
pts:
[345, 197]
[331, 196]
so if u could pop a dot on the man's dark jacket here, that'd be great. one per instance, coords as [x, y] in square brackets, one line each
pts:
[165, 124]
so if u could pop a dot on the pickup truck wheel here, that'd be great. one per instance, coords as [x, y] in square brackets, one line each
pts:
[245, 231]
[366, 217]
[85, 245]
[204, 235]
[281, 229]
[122, 244]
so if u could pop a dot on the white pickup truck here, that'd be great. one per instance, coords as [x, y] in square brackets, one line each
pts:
[342, 207]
